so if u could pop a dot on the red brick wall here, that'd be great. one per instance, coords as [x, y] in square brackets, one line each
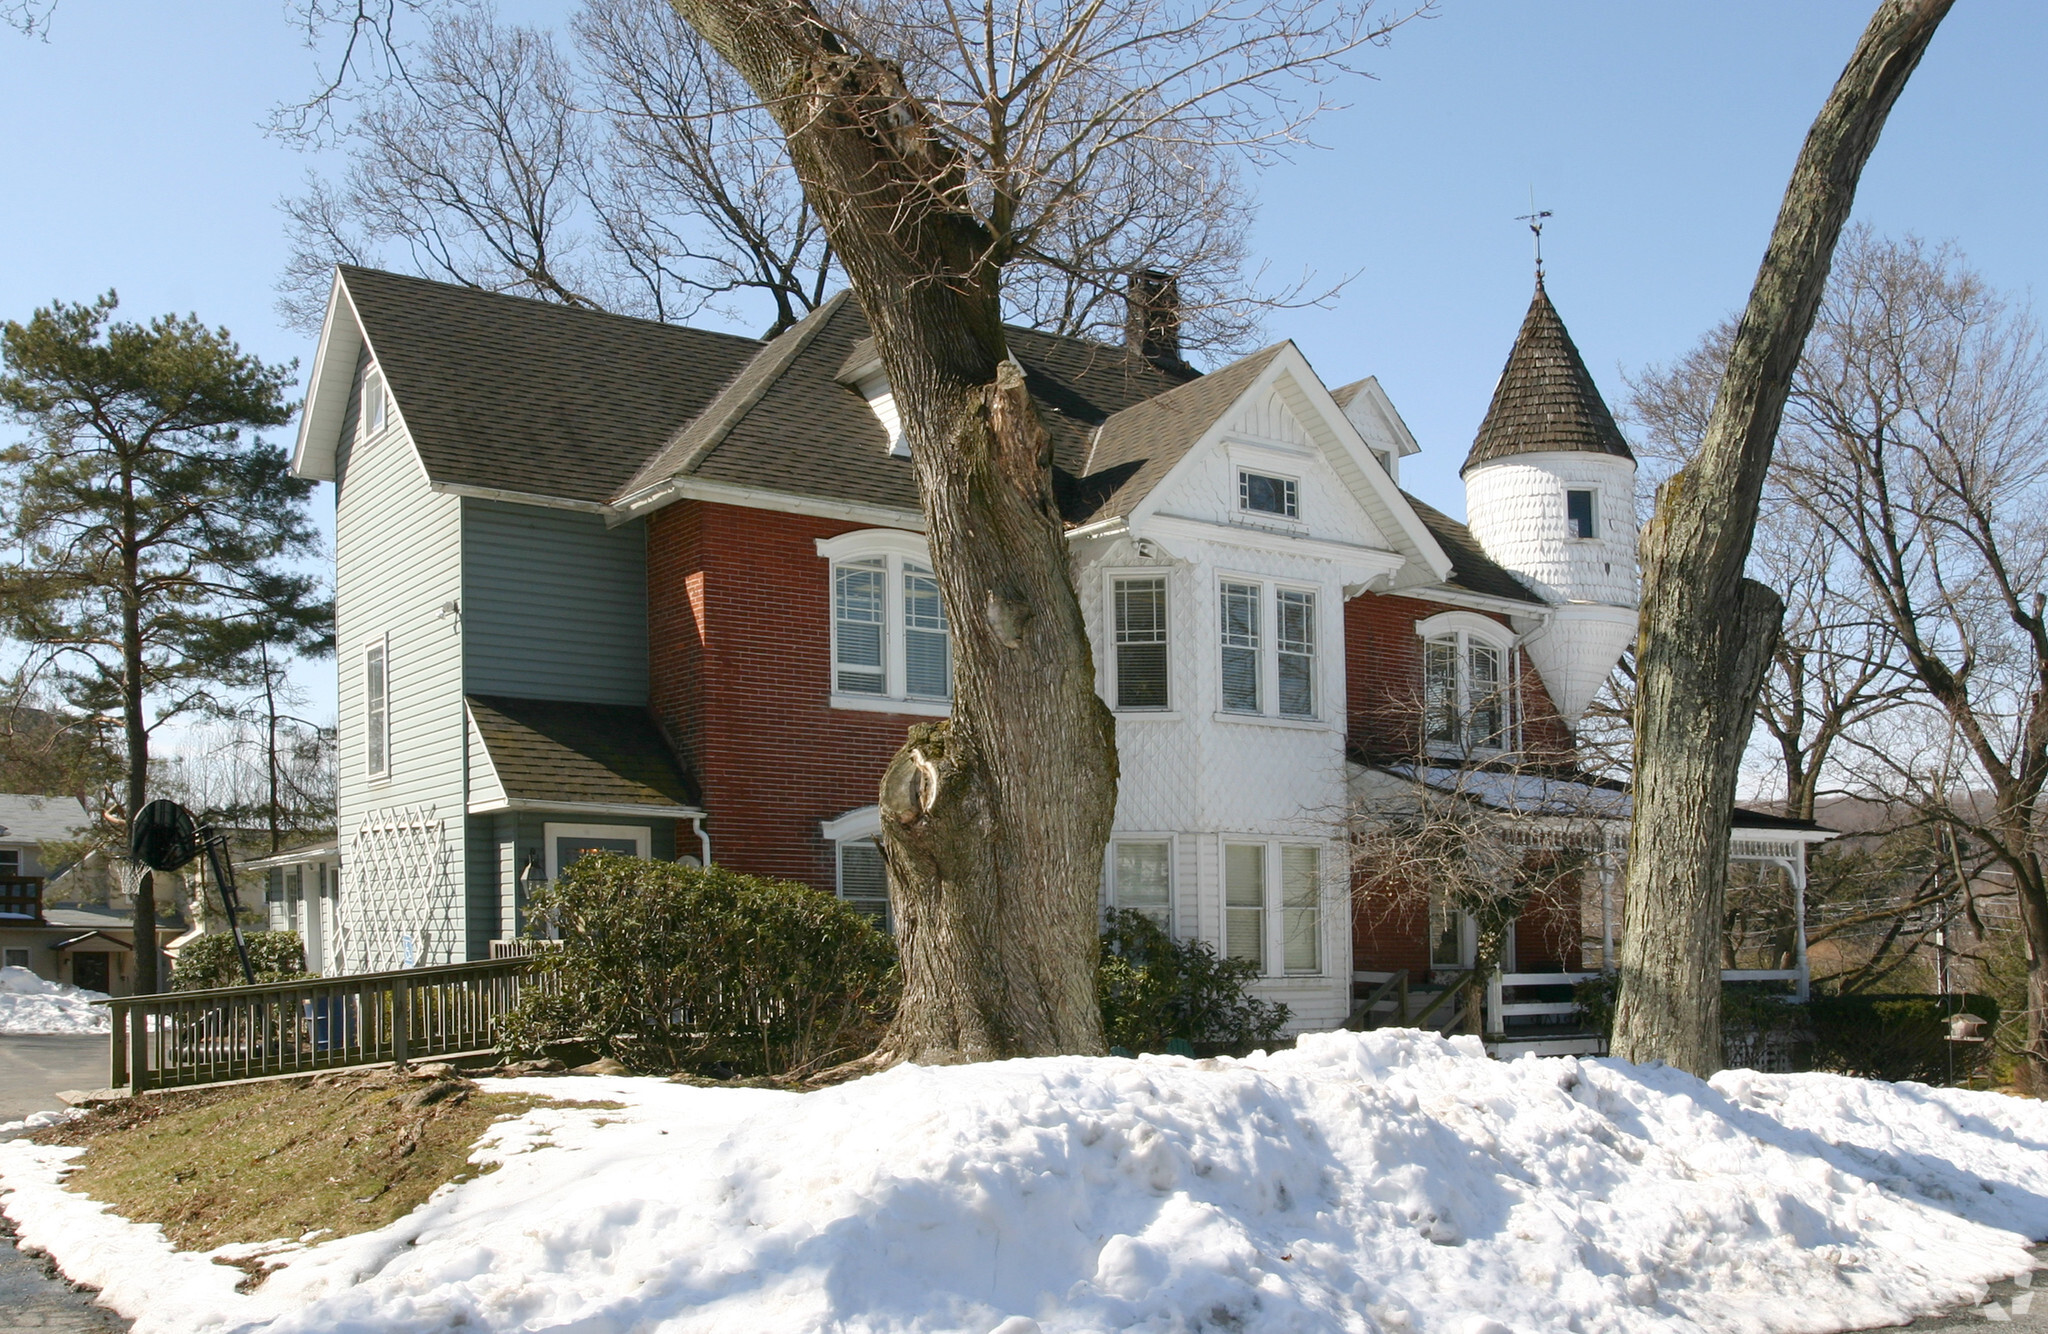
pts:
[1383, 671]
[739, 635]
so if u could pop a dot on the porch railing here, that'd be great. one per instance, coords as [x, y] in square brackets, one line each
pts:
[1506, 996]
[22, 896]
[208, 1037]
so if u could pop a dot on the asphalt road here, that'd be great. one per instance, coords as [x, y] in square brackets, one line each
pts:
[33, 1069]
[2018, 1307]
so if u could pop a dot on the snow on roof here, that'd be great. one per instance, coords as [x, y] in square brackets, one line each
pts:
[1534, 794]
[31, 819]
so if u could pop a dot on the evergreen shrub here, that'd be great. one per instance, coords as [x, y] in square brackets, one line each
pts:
[209, 960]
[1156, 991]
[1899, 1036]
[667, 967]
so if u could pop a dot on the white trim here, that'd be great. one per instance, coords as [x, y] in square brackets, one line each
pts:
[1369, 563]
[1471, 623]
[341, 341]
[876, 542]
[1320, 672]
[1317, 724]
[1458, 597]
[921, 708]
[519, 497]
[860, 822]
[550, 831]
[626, 808]
[751, 497]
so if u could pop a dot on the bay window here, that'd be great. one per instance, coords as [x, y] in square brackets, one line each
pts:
[1268, 657]
[890, 642]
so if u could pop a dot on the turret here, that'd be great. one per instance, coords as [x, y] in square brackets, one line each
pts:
[1550, 494]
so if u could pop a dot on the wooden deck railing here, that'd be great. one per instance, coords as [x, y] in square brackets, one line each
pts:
[22, 896]
[207, 1037]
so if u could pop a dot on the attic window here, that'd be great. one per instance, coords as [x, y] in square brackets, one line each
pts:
[1579, 513]
[373, 404]
[1259, 494]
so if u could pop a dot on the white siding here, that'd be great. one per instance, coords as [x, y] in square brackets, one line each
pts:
[398, 564]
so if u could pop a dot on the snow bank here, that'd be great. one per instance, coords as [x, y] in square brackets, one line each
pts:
[28, 1004]
[1388, 1181]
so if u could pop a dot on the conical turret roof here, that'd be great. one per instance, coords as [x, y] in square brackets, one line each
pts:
[1546, 401]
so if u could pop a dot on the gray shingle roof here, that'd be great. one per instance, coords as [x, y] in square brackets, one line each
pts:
[560, 751]
[1546, 400]
[26, 818]
[522, 395]
[1471, 568]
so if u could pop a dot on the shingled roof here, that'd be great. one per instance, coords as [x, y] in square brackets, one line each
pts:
[512, 394]
[559, 751]
[1546, 401]
[1471, 568]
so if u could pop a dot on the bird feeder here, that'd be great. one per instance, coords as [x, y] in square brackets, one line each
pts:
[1965, 1028]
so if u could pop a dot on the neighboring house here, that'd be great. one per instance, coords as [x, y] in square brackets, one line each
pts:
[609, 584]
[86, 945]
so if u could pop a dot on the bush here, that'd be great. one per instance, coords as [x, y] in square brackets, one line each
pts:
[1155, 989]
[209, 960]
[668, 967]
[1899, 1037]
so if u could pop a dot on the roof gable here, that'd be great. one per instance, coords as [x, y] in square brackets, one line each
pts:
[1546, 401]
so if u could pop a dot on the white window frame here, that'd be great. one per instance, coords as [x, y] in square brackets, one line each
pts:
[375, 390]
[1273, 905]
[377, 726]
[1463, 628]
[1111, 577]
[1240, 504]
[863, 824]
[1268, 711]
[642, 836]
[1109, 885]
[1592, 494]
[894, 548]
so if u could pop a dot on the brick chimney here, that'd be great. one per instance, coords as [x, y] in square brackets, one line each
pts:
[1152, 318]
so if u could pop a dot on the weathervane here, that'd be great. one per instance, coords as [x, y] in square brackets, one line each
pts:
[1535, 221]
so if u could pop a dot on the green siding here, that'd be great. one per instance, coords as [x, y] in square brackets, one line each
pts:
[554, 604]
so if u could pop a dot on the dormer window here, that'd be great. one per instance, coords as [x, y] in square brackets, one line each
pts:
[1259, 493]
[1580, 512]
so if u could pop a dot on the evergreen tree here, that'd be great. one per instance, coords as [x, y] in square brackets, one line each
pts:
[152, 530]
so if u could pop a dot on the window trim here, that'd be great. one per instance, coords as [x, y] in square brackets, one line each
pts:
[895, 548]
[1155, 838]
[381, 645]
[1592, 495]
[1463, 627]
[1273, 908]
[642, 836]
[1240, 506]
[1268, 713]
[1111, 577]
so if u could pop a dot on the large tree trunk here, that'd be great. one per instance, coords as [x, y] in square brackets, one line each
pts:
[994, 821]
[1706, 633]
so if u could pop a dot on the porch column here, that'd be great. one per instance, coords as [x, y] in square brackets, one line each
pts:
[1797, 866]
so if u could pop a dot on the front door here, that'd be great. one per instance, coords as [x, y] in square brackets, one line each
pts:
[89, 970]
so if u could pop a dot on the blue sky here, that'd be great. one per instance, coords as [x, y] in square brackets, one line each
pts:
[1659, 134]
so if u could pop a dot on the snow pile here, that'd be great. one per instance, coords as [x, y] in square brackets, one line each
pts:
[28, 1004]
[37, 1120]
[1385, 1182]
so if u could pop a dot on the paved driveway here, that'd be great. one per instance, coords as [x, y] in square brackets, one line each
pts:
[33, 1069]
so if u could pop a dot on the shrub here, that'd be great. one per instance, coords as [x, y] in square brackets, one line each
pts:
[1155, 989]
[209, 960]
[1899, 1037]
[668, 967]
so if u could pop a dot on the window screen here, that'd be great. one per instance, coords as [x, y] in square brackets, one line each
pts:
[859, 615]
[1578, 513]
[1241, 647]
[864, 879]
[1144, 881]
[927, 653]
[1244, 902]
[1267, 495]
[1301, 911]
[376, 710]
[1297, 645]
[1140, 643]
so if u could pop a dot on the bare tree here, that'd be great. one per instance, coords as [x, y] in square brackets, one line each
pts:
[1919, 443]
[633, 170]
[1706, 632]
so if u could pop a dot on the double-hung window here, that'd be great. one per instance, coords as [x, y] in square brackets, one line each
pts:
[1141, 879]
[890, 640]
[864, 879]
[1580, 509]
[1268, 648]
[1273, 905]
[377, 709]
[1139, 607]
[1466, 689]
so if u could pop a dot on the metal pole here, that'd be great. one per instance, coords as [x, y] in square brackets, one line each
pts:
[230, 901]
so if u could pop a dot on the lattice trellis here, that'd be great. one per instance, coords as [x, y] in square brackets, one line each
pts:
[397, 890]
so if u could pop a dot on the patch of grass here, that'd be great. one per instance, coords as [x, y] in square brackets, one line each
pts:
[339, 1153]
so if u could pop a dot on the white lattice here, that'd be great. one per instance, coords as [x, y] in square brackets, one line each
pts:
[398, 896]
